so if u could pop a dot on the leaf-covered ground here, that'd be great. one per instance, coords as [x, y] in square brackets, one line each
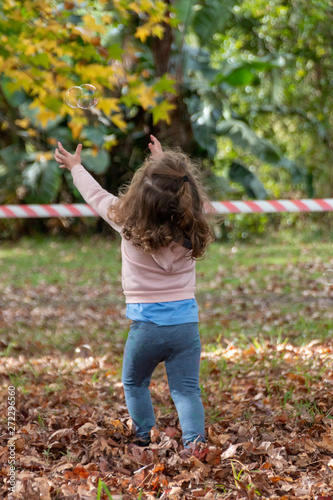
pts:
[266, 372]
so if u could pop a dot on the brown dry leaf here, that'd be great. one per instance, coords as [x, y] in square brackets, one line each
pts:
[296, 377]
[180, 479]
[175, 493]
[213, 455]
[281, 419]
[303, 460]
[43, 487]
[98, 448]
[217, 439]
[19, 442]
[154, 434]
[170, 432]
[231, 451]
[198, 492]
[61, 433]
[309, 446]
[201, 471]
[326, 443]
[61, 467]
[88, 429]
[77, 473]
[31, 462]
[117, 425]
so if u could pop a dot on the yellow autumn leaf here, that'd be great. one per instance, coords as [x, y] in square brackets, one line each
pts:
[76, 125]
[108, 104]
[83, 32]
[23, 123]
[30, 50]
[147, 5]
[119, 122]
[135, 7]
[32, 132]
[44, 156]
[90, 23]
[143, 32]
[120, 8]
[158, 31]
[106, 19]
[45, 115]
[110, 141]
[147, 97]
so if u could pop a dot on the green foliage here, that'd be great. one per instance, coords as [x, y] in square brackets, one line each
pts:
[290, 104]
[249, 86]
[253, 187]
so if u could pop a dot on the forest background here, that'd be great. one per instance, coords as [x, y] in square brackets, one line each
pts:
[248, 91]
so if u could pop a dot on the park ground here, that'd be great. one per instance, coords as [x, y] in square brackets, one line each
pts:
[266, 375]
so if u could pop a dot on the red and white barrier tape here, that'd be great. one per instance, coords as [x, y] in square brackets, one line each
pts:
[272, 206]
[42, 211]
[222, 207]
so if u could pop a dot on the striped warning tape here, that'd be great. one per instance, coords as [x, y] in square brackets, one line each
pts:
[272, 206]
[43, 211]
[221, 207]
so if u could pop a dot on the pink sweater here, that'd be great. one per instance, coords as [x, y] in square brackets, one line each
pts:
[165, 276]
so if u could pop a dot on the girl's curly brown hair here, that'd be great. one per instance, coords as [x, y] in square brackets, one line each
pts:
[164, 203]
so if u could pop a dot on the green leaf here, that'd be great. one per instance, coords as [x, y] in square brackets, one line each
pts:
[183, 10]
[62, 134]
[165, 84]
[95, 134]
[96, 163]
[11, 157]
[43, 180]
[31, 113]
[114, 38]
[13, 98]
[245, 72]
[41, 60]
[53, 104]
[204, 117]
[115, 51]
[242, 135]
[240, 76]
[252, 185]
[210, 17]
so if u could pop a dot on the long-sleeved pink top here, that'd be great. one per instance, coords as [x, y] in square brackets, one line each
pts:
[165, 276]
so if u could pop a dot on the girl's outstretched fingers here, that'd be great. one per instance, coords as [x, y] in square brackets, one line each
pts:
[155, 146]
[67, 159]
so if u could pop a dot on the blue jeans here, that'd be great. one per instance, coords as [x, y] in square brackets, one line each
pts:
[179, 347]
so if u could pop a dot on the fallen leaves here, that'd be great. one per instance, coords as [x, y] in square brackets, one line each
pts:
[268, 403]
[68, 448]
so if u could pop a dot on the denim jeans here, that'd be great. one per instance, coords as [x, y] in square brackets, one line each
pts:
[179, 347]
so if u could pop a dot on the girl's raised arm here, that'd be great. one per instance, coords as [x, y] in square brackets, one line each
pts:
[97, 197]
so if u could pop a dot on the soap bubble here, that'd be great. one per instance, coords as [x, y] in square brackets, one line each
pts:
[328, 277]
[88, 97]
[83, 97]
[72, 96]
[84, 351]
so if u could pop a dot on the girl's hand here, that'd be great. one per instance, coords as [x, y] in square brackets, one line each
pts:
[66, 159]
[155, 146]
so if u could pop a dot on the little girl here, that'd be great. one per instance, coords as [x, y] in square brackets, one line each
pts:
[163, 227]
